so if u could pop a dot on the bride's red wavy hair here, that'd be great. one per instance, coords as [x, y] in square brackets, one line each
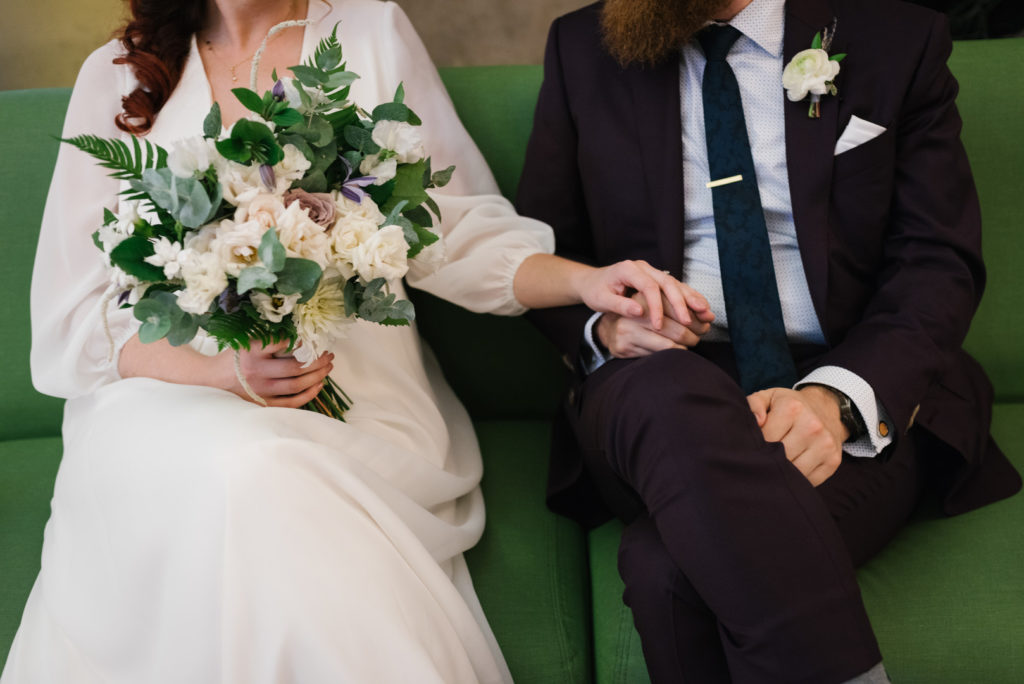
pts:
[156, 39]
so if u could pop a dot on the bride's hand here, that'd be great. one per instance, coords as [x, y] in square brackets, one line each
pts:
[604, 290]
[280, 381]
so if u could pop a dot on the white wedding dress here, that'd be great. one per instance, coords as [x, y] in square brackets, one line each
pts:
[197, 538]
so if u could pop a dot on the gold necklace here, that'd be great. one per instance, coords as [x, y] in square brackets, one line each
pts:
[232, 67]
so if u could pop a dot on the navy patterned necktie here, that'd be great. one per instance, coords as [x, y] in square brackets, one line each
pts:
[752, 305]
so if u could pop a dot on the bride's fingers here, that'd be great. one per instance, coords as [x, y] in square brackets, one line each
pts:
[284, 387]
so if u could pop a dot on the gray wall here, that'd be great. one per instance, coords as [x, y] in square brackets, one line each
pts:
[43, 42]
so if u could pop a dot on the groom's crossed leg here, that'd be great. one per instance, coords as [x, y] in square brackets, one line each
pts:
[749, 552]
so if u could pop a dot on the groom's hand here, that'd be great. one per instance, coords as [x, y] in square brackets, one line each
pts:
[630, 337]
[807, 423]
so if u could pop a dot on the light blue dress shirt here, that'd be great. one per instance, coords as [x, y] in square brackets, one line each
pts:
[756, 59]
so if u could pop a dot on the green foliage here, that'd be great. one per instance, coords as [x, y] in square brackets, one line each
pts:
[299, 275]
[212, 123]
[129, 256]
[816, 43]
[271, 251]
[185, 199]
[236, 330]
[441, 178]
[161, 317]
[251, 142]
[127, 162]
[372, 302]
[409, 186]
[255, 278]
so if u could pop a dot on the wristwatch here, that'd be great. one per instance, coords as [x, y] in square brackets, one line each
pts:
[849, 416]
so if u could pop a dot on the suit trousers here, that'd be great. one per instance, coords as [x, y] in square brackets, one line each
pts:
[736, 568]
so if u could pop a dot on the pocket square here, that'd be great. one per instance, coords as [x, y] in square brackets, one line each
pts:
[857, 132]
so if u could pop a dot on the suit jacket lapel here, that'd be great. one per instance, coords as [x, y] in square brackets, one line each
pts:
[655, 93]
[809, 150]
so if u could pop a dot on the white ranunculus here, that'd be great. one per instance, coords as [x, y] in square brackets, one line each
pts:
[401, 138]
[204, 281]
[199, 241]
[166, 255]
[303, 237]
[276, 306]
[238, 245]
[382, 171]
[191, 156]
[383, 255]
[808, 72]
[321, 321]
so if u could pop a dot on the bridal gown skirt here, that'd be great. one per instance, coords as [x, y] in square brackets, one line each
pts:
[198, 538]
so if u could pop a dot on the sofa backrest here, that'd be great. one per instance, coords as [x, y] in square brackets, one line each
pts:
[500, 366]
[31, 120]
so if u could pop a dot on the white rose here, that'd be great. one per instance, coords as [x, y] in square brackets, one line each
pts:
[191, 156]
[264, 209]
[238, 245]
[401, 138]
[274, 307]
[808, 72]
[382, 171]
[204, 281]
[383, 255]
[303, 237]
[199, 241]
[240, 183]
[347, 234]
[366, 209]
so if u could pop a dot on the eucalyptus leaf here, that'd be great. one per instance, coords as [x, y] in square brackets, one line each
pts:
[212, 122]
[156, 319]
[255, 278]
[299, 275]
[313, 182]
[329, 58]
[400, 93]
[391, 111]
[271, 251]
[419, 215]
[185, 199]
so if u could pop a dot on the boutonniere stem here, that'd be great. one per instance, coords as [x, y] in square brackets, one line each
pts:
[812, 72]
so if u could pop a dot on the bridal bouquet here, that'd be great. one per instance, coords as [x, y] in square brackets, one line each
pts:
[287, 227]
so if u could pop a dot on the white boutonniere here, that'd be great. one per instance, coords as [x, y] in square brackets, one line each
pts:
[813, 72]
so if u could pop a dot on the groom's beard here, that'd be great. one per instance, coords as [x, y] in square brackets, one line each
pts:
[648, 31]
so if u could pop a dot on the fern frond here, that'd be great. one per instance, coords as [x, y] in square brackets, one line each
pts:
[237, 330]
[127, 162]
[326, 45]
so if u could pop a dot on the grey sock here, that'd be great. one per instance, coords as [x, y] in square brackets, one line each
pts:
[875, 675]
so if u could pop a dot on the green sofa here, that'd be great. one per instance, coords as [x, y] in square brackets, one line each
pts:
[946, 598]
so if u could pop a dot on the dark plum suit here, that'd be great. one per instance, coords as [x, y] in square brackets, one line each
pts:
[752, 568]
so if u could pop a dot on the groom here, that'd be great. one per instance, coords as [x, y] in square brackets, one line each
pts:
[778, 433]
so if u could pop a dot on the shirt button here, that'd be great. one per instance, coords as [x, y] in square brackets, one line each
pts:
[883, 429]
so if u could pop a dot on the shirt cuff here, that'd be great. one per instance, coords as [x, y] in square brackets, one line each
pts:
[596, 358]
[879, 433]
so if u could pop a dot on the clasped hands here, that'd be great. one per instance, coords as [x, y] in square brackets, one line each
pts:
[665, 313]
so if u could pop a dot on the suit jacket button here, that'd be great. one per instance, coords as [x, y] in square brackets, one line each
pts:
[883, 429]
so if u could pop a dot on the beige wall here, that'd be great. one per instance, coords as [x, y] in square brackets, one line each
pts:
[43, 42]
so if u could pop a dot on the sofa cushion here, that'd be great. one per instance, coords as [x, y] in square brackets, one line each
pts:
[946, 597]
[27, 470]
[530, 567]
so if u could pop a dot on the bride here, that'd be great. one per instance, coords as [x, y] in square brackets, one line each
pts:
[198, 537]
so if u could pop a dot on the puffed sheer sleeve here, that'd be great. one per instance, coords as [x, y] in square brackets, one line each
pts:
[485, 239]
[71, 352]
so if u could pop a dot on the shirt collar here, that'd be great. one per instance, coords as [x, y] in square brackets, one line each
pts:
[762, 21]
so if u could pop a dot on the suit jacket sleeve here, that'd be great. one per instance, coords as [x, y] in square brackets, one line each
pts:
[931, 274]
[550, 189]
